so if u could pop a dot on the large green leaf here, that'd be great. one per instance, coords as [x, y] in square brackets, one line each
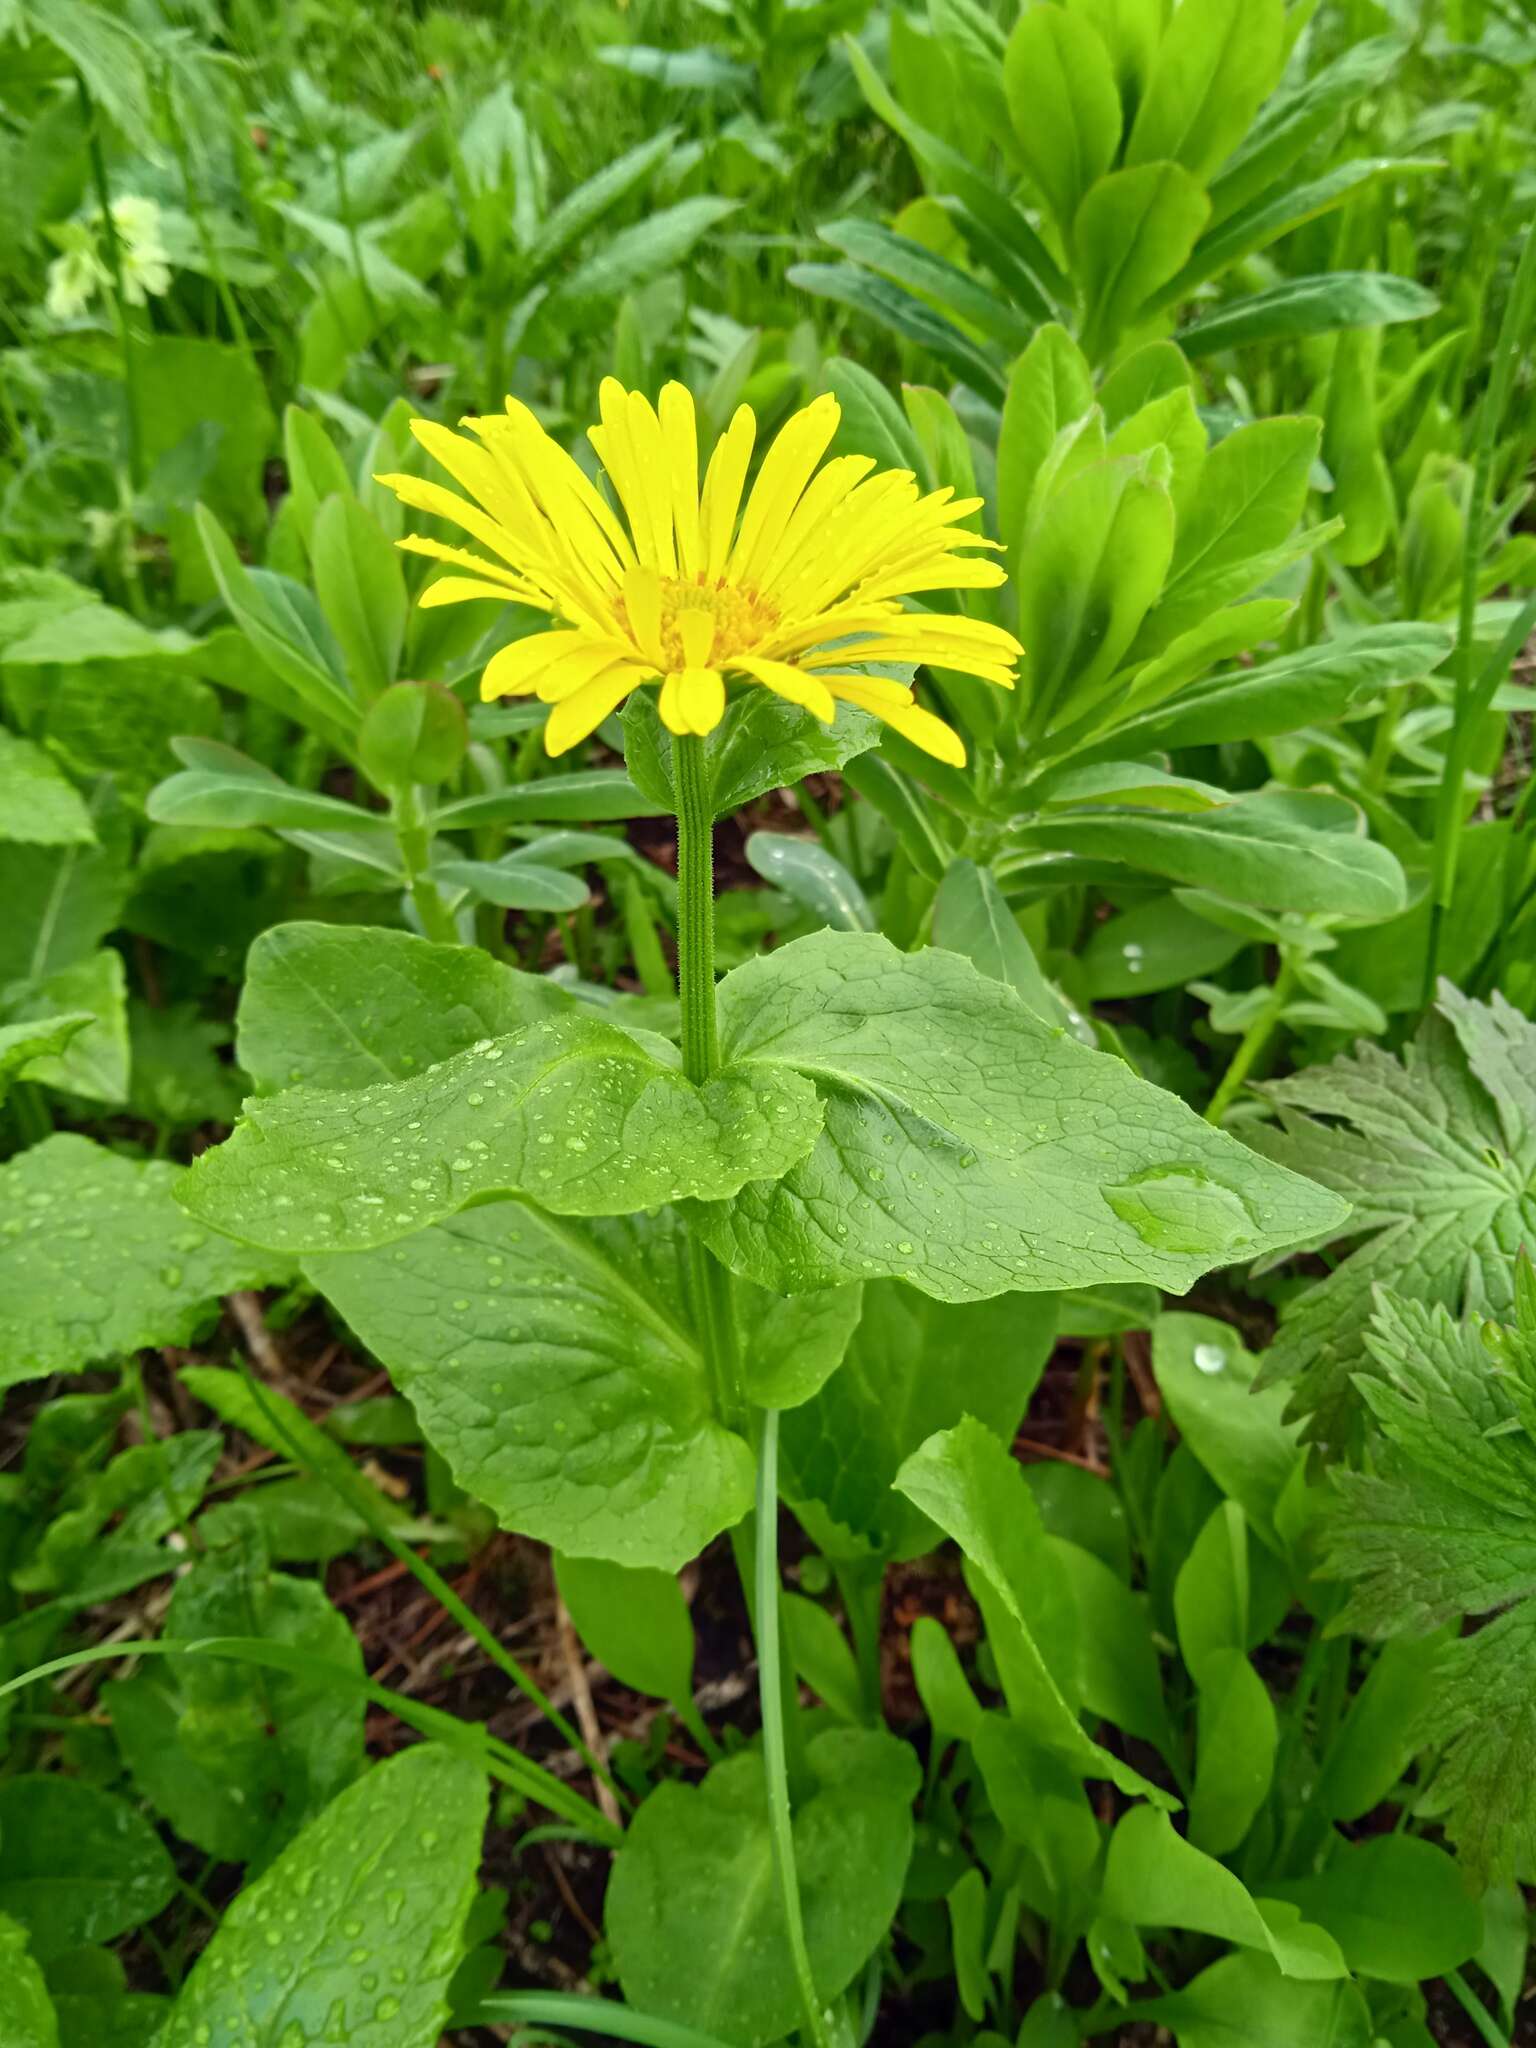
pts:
[60, 902]
[693, 1912]
[96, 1259]
[572, 1111]
[1280, 848]
[556, 1365]
[1217, 61]
[356, 1930]
[1309, 305]
[1397, 1906]
[970, 1149]
[914, 1366]
[1063, 103]
[40, 1039]
[77, 1864]
[27, 2017]
[1133, 232]
[329, 1006]
[1244, 2002]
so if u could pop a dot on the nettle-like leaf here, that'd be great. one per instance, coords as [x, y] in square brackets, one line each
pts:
[97, 1259]
[968, 1148]
[556, 1365]
[1445, 1527]
[1437, 1152]
[357, 1928]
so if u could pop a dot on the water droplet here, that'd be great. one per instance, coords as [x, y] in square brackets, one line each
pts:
[1210, 1358]
[1182, 1209]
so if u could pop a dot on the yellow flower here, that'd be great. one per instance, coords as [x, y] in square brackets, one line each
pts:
[795, 591]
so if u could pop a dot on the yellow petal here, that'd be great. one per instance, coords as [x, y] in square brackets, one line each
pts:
[581, 666]
[576, 716]
[514, 671]
[931, 734]
[696, 630]
[787, 468]
[460, 589]
[809, 691]
[642, 606]
[692, 701]
[680, 431]
[723, 480]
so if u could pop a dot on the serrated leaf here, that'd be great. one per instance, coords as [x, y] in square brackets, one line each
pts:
[555, 1364]
[1437, 1153]
[333, 1006]
[367, 1909]
[573, 1111]
[96, 1259]
[970, 1149]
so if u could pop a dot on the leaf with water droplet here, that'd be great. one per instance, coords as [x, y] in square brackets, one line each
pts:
[1008, 1154]
[86, 1272]
[363, 1853]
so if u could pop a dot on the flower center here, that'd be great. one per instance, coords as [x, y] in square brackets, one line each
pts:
[741, 617]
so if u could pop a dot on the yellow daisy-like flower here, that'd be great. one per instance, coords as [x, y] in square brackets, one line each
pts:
[794, 591]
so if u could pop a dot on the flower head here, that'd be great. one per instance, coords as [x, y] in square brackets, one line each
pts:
[145, 259]
[796, 590]
[74, 278]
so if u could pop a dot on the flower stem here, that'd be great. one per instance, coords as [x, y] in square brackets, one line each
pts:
[770, 1684]
[414, 840]
[695, 907]
[1252, 1043]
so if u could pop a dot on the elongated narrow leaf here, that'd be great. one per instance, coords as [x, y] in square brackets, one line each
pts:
[920, 270]
[586, 206]
[906, 315]
[1310, 305]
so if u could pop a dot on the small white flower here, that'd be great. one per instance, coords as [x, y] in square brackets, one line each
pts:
[146, 261]
[73, 281]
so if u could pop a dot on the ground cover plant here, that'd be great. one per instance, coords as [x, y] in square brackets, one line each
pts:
[767, 1023]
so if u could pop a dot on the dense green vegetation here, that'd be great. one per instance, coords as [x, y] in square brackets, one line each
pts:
[812, 1323]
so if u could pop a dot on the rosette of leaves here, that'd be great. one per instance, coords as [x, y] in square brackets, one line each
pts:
[1158, 150]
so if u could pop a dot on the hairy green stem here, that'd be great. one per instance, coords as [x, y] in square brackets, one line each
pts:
[771, 1694]
[115, 265]
[695, 907]
[1252, 1043]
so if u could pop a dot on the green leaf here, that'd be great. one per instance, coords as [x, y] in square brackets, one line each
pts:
[38, 804]
[1445, 1526]
[224, 788]
[513, 883]
[61, 903]
[907, 315]
[1309, 305]
[1117, 1656]
[1279, 848]
[1050, 387]
[573, 1110]
[1397, 1906]
[811, 877]
[1009, 1154]
[967, 1482]
[1156, 944]
[378, 1890]
[94, 1062]
[556, 1366]
[1064, 105]
[914, 1366]
[634, 1621]
[971, 917]
[333, 1006]
[41, 1039]
[361, 588]
[585, 796]
[1437, 1153]
[1244, 2002]
[1315, 685]
[1294, 119]
[77, 1864]
[1250, 495]
[96, 1259]
[1206, 1380]
[1154, 1878]
[584, 207]
[1235, 1754]
[284, 624]
[1217, 61]
[636, 254]
[693, 1912]
[238, 1759]
[1133, 232]
[27, 2017]
[931, 277]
